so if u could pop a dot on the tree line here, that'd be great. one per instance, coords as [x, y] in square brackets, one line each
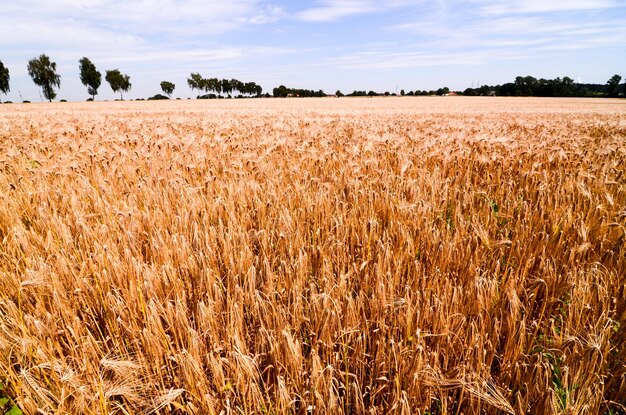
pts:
[417, 92]
[43, 73]
[284, 92]
[528, 86]
[214, 87]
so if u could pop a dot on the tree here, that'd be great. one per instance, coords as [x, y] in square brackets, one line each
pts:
[212, 85]
[167, 88]
[281, 92]
[4, 78]
[118, 81]
[90, 77]
[195, 81]
[44, 75]
[248, 88]
[226, 87]
[236, 85]
[612, 85]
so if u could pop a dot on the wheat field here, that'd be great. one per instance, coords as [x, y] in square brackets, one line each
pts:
[314, 256]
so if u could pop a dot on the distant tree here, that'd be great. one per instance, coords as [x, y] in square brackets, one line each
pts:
[167, 88]
[250, 88]
[226, 87]
[612, 85]
[280, 92]
[4, 79]
[157, 97]
[246, 88]
[90, 77]
[339, 93]
[195, 81]
[443, 91]
[118, 81]
[566, 87]
[213, 84]
[523, 87]
[236, 85]
[402, 92]
[44, 75]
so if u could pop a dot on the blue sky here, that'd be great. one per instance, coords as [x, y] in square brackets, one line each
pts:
[327, 44]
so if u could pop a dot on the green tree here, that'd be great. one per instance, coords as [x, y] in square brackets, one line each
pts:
[43, 72]
[212, 85]
[612, 85]
[4, 78]
[118, 81]
[236, 85]
[566, 87]
[281, 91]
[167, 88]
[195, 81]
[90, 77]
[226, 87]
[248, 88]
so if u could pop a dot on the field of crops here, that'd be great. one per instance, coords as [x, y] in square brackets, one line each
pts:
[314, 256]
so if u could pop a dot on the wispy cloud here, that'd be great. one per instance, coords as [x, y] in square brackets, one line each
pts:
[532, 33]
[143, 17]
[269, 14]
[378, 60]
[331, 10]
[544, 6]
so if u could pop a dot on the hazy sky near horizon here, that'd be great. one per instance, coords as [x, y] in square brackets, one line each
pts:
[315, 44]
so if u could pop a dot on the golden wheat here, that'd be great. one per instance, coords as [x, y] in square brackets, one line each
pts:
[407, 256]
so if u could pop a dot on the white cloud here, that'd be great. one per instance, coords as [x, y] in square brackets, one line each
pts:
[143, 17]
[269, 14]
[544, 6]
[512, 32]
[331, 10]
[369, 60]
